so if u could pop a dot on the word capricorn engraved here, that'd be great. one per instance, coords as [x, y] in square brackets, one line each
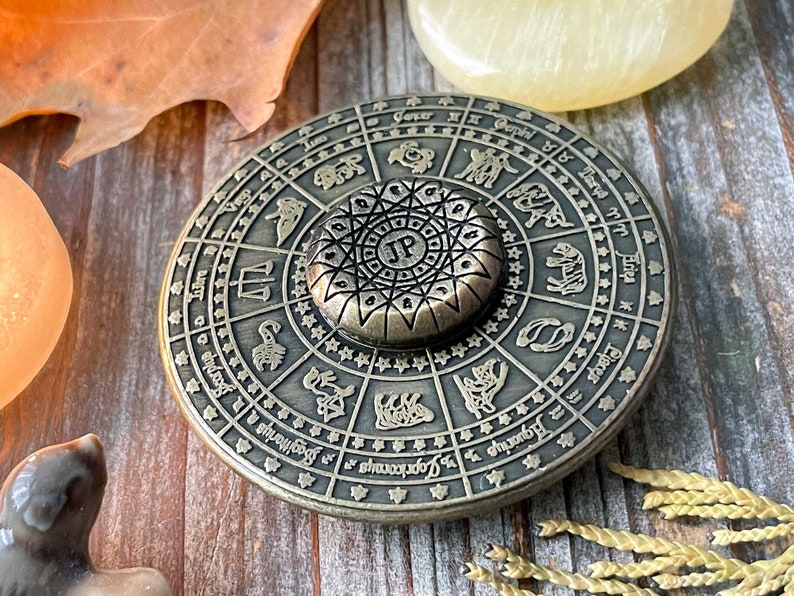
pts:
[269, 352]
[530, 335]
[571, 264]
[400, 410]
[478, 393]
[329, 405]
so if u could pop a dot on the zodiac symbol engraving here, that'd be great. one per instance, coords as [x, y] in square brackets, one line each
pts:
[411, 155]
[400, 410]
[529, 335]
[478, 393]
[485, 167]
[253, 281]
[269, 352]
[331, 175]
[329, 405]
[534, 198]
[289, 212]
[571, 264]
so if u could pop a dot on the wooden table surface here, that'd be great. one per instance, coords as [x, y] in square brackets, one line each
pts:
[714, 147]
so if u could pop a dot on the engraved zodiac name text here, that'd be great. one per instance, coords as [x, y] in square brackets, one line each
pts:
[512, 129]
[288, 446]
[198, 287]
[609, 356]
[403, 116]
[589, 177]
[215, 374]
[535, 432]
[428, 468]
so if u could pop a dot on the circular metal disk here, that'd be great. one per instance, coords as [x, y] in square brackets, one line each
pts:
[417, 308]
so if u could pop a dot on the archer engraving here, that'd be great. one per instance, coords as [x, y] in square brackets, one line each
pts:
[411, 155]
[329, 405]
[531, 334]
[269, 352]
[400, 410]
[331, 175]
[486, 167]
[536, 199]
[289, 212]
[478, 392]
[571, 264]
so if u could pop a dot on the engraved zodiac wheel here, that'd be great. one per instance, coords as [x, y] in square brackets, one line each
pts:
[417, 308]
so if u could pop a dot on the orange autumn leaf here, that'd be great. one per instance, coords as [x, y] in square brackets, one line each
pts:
[117, 64]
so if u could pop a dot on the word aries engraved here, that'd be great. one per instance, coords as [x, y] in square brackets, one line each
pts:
[411, 155]
[400, 410]
[331, 175]
[571, 264]
[485, 167]
[478, 392]
[269, 352]
[534, 198]
[329, 405]
[531, 335]
[289, 212]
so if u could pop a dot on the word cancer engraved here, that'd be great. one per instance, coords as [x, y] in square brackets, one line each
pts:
[534, 198]
[289, 212]
[478, 392]
[561, 335]
[269, 352]
[486, 167]
[400, 410]
[253, 281]
[329, 405]
[571, 264]
[331, 175]
[411, 155]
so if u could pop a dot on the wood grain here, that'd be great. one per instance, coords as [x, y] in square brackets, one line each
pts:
[715, 149]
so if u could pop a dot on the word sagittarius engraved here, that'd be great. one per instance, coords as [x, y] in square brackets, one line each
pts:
[478, 392]
[289, 212]
[329, 405]
[269, 352]
[531, 335]
[571, 264]
[400, 410]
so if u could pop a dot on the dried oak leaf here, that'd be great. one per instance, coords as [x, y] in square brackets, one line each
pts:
[117, 64]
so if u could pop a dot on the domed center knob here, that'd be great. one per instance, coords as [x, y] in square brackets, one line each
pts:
[405, 263]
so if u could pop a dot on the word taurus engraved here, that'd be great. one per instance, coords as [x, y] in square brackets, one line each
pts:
[411, 155]
[253, 281]
[289, 212]
[561, 335]
[485, 167]
[331, 175]
[571, 264]
[400, 410]
[478, 393]
[269, 352]
[534, 198]
[329, 405]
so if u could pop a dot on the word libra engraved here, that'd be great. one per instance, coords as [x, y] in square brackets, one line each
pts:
[416, 308]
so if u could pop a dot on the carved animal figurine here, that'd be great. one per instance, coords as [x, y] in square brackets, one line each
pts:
[48, 505]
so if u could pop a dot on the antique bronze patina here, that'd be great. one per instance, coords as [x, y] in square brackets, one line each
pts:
[417, 308]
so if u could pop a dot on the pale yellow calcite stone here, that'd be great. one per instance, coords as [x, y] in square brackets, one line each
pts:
[559, 55]
[35, 285]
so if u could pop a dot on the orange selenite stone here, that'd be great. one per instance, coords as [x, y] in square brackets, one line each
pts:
[35, 285]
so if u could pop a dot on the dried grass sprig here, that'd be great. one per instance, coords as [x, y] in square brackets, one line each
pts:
[726, 537]
[480, 574]
[646, 568]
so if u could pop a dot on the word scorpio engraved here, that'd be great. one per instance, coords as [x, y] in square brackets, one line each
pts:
[269, 352]
[289, 212]
[400, 410]
[329, 405]
[571, 264]
[478, 393]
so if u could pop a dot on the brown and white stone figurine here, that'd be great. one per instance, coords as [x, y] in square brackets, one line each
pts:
[48, 505]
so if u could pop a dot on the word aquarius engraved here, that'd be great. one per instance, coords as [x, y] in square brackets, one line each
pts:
[571, 264]
[535, 432]
[411, 155]
[400, 410]
[561, 335]
[534, 198]
[485, 167]
[253, 281]
[269, 352]
[331, 175]
[289, 212]
[329, 405]
[478, 393]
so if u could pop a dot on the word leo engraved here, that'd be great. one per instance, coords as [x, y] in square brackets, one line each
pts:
[479, 391]
[329, 405]
[571, 264]
[400, 410]
[269, 352]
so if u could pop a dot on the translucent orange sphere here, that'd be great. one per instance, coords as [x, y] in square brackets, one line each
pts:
[35, 285]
